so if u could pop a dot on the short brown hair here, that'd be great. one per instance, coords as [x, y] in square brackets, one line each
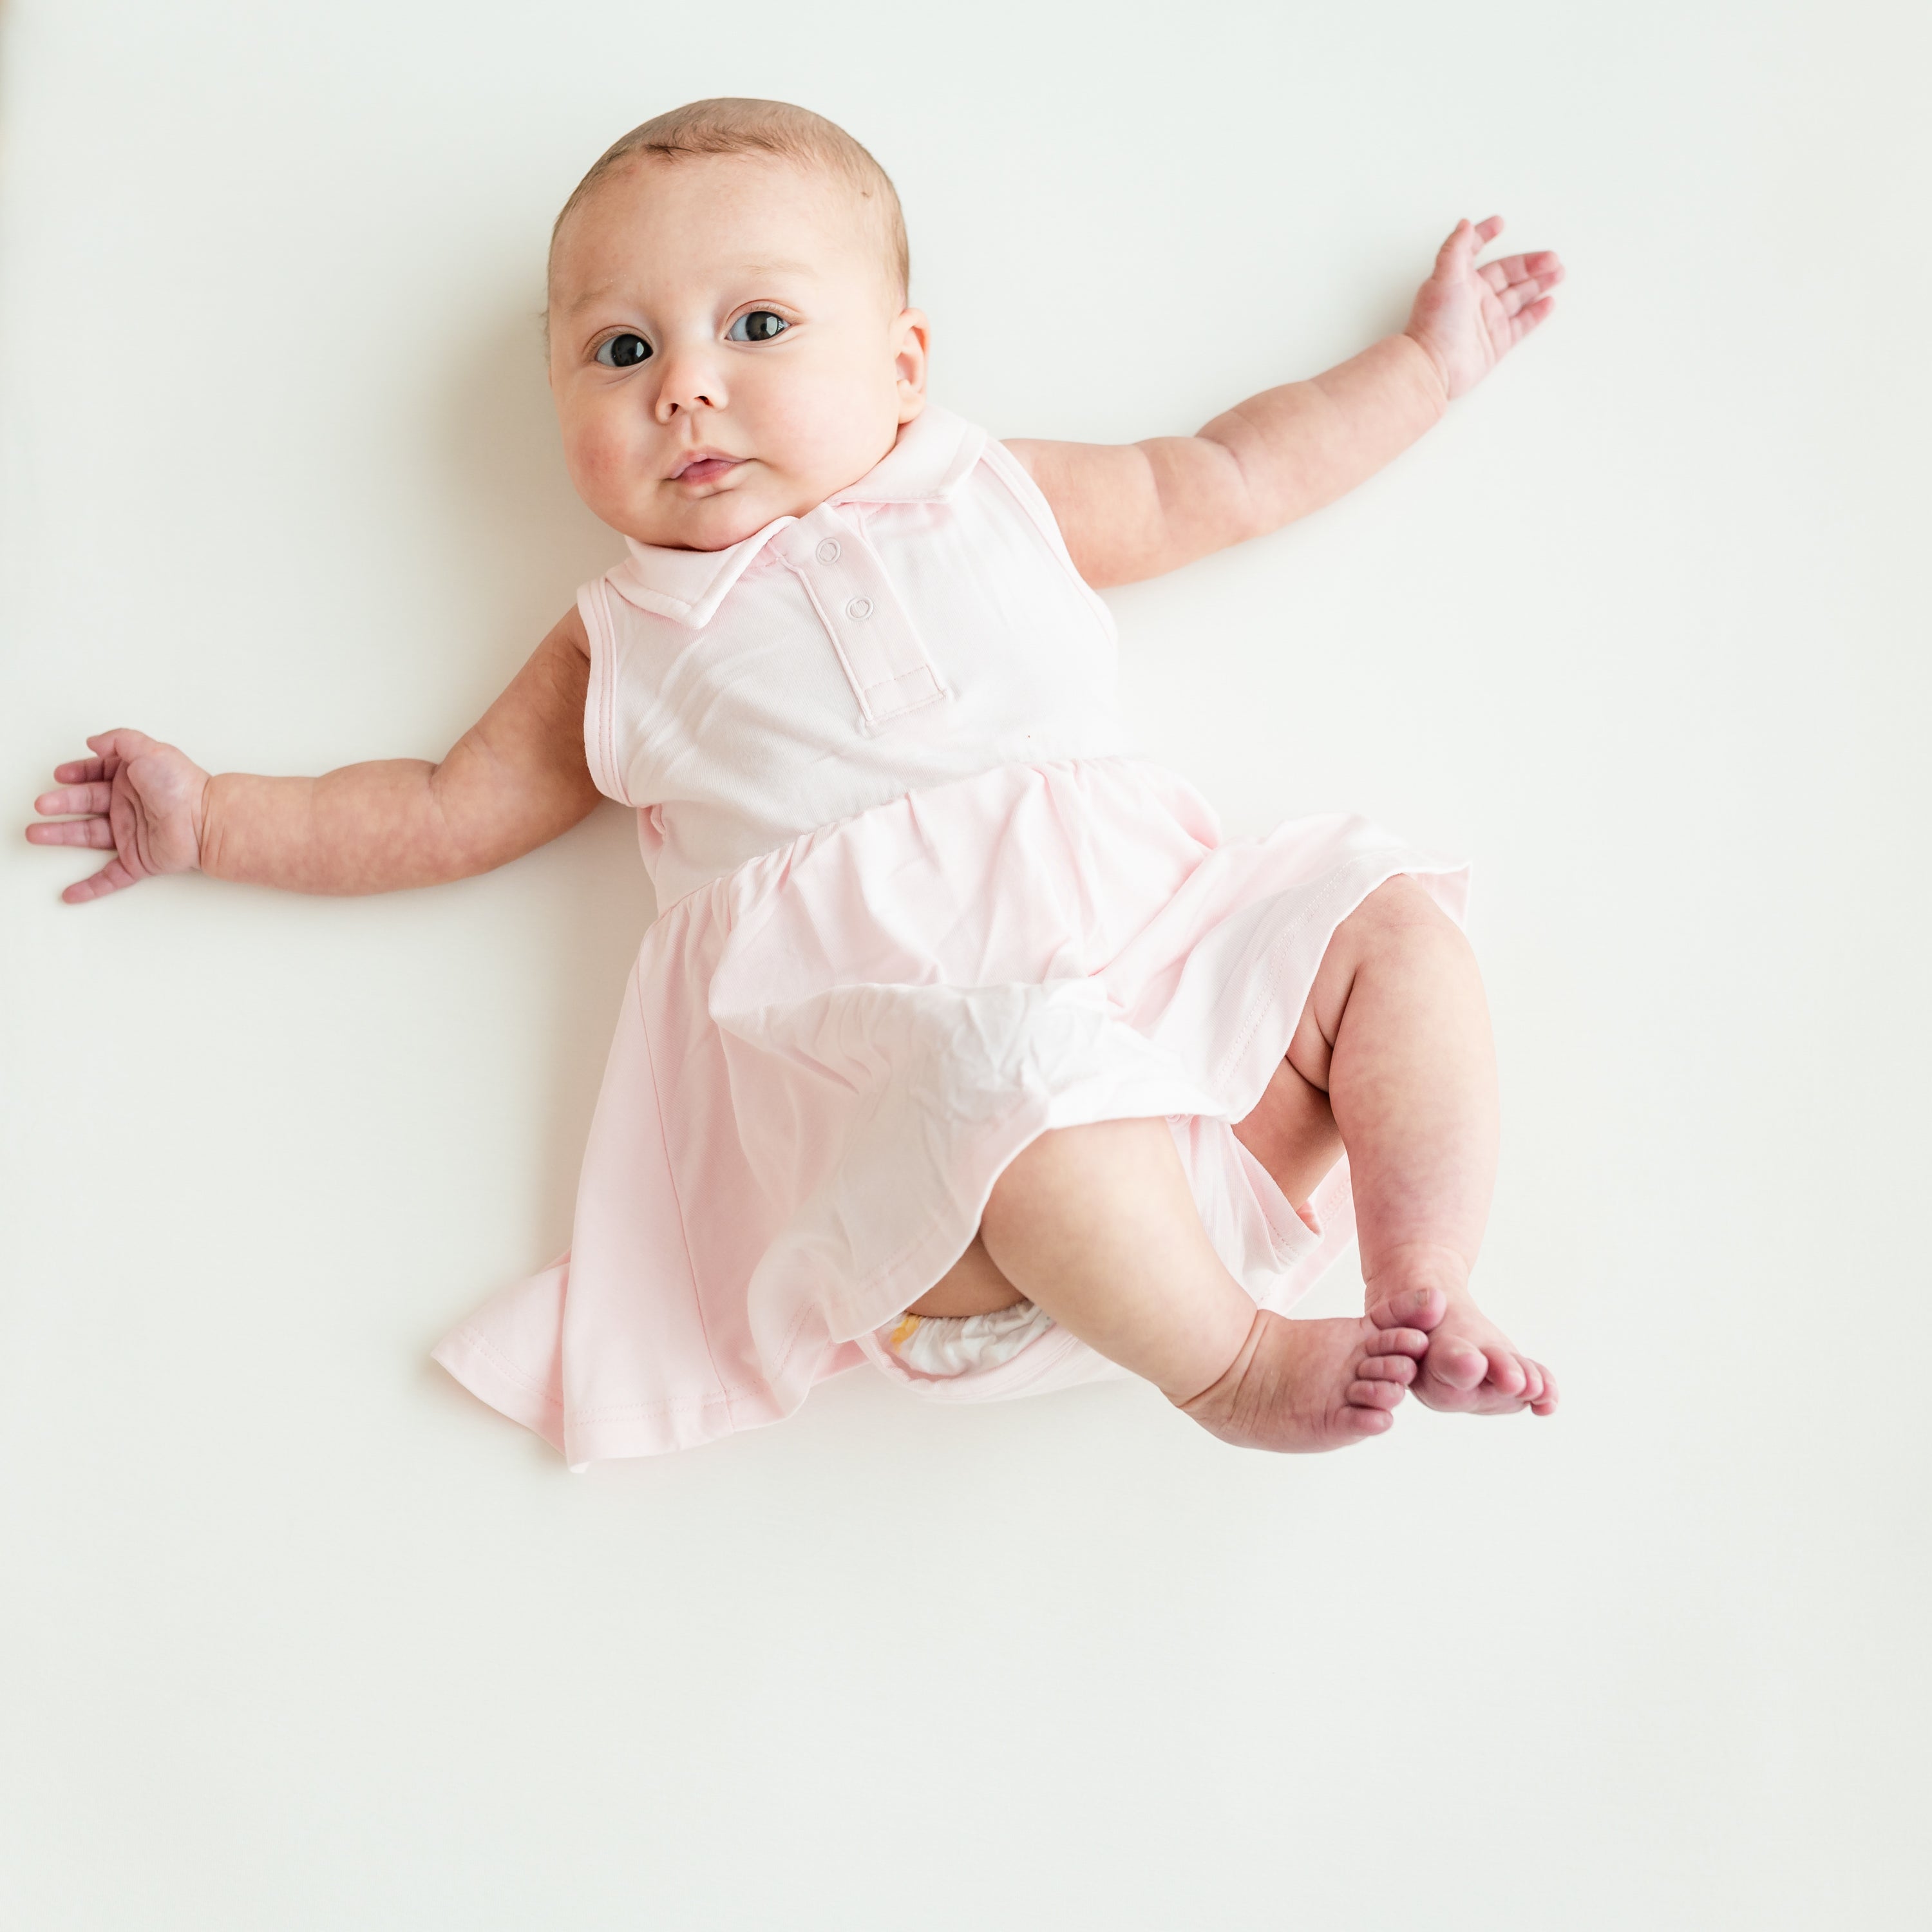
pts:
[732, 126]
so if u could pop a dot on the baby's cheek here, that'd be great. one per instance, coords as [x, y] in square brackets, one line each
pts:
[772, 416]
[826, 433]
[602, 463]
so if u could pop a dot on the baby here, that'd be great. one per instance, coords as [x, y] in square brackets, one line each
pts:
[962, 1042]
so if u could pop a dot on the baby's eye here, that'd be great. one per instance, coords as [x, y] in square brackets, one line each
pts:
[623, 351]
[759, 326]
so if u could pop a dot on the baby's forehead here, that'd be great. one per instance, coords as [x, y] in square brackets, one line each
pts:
[736, 215]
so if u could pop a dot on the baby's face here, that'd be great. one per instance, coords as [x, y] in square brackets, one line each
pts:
[727, 346]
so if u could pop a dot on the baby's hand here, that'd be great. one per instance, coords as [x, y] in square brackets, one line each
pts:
[143, 799]
[1469, 318]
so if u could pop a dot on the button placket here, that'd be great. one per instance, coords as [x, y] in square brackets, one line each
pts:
[880, 653]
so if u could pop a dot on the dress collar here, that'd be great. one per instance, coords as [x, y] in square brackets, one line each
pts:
[934, 455]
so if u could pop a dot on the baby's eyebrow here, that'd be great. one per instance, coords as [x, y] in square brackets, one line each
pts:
[775, 268]
[600, 291]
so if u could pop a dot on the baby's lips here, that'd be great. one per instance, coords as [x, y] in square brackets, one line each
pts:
[702, 466]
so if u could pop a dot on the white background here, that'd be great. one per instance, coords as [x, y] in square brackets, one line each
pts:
[298, 1634]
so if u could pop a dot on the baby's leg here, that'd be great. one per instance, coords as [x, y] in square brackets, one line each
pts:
[1097, 1226]
[1396, 1032]
[1292, 1133]
[972, 1285]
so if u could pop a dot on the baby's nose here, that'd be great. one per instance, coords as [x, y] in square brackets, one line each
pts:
[689, 381]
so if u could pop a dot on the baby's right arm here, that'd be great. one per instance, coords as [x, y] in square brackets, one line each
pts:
[516, 779]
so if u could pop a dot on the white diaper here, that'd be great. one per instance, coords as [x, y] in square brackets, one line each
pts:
[951, 1344]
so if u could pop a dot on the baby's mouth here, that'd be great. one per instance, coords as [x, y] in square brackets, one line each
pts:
[703, 467]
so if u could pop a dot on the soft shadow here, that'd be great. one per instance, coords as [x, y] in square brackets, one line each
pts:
[527, 533]
[530, 541]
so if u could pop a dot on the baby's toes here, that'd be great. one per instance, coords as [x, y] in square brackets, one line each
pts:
[1500, 1390]
[1544, 1401]
[1399, 1369]
[1414, 1308]
[1391, 1345]
[1507, 1375]
[1361, 1418]
[1456, 1367]
[1381, 1381]
[1367, 1392]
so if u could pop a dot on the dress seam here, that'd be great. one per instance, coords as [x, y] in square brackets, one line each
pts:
[677, 1199]
[1032, 761]
[600, 735]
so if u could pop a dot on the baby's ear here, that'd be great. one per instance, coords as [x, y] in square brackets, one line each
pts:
[913, 334]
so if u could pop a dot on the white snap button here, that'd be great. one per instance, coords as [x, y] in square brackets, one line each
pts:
[828, 551]
[859, 609]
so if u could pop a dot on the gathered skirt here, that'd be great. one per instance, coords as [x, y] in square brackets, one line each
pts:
[825, 1059]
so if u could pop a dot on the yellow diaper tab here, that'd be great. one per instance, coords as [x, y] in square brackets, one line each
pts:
[956, 1344]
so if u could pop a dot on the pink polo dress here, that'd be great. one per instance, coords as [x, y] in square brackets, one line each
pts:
[919, 901]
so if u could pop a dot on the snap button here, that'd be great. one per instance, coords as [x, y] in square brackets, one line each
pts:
[860, 608]
[828, 551]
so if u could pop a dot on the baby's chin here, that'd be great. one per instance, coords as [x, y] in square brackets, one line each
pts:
[675, 520]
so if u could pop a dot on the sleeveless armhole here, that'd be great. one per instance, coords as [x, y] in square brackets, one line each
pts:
[600, 708]
[1013, 472]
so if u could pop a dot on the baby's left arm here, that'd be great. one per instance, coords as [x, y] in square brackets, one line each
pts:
[1136, 510]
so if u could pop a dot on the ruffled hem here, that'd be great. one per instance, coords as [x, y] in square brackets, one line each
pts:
[826, 1058]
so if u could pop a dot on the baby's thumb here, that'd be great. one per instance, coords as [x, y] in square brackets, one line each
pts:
[122, 742]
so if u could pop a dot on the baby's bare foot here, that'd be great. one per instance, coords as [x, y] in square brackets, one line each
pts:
[1308, 1385]
[1471, 1367]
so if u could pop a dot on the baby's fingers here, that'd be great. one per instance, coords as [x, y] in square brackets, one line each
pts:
[1511, 301]
[80, 770]
[74, 798]
[1524, 320]
[110, 878]
[1450, 259]
[1521, 278]
[94, 832]
[1543, 261]
[1467, 240]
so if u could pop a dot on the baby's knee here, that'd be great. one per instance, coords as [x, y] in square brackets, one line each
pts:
[1399, 926]
[1401, 913]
